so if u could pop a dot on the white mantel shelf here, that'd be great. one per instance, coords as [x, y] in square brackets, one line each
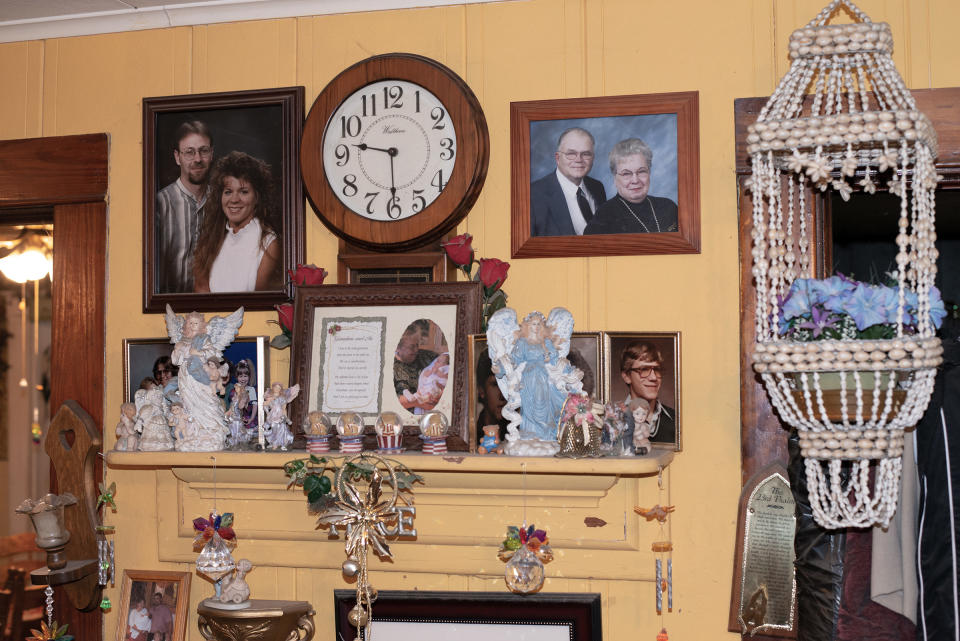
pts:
[451, 462]
[585, 504]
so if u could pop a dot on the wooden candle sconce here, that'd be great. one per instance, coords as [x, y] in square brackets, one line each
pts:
[72, 445]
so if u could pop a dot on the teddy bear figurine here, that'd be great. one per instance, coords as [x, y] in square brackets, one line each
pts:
[490, 441]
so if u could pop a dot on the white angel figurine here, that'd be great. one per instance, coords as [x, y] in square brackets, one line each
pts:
[277, 426]
[529, 361]
[195, 341]
[151, 423]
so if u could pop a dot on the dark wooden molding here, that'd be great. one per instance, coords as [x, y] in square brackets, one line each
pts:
[69, 174]
[50, 171]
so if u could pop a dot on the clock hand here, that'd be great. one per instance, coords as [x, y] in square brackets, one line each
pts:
[393, 188]
[364, 146]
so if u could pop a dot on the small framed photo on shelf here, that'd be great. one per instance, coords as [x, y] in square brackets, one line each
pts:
[373, 348]
[153, 602]
[486, 399]
[200, 150]
[609, 176]
[146, 362]
[646, 365]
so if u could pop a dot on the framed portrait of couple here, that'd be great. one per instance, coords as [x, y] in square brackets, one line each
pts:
[154, 606]
[222, 199]
[610, 176]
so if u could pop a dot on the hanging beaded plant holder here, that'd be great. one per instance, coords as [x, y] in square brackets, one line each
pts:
[849, 396]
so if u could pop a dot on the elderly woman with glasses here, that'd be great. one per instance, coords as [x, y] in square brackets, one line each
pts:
[641, 367]
[633, 210]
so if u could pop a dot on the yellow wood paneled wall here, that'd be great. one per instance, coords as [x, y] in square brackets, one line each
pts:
[524, 50]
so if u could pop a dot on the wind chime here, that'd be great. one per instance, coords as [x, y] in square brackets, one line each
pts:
[663, 548]
[525, 550]
[861, 125]
[216, 536]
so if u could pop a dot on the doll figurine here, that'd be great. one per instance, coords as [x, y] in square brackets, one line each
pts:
[151, 424]
[530, 364]
[184, 428]
[234, 589]
[277, 426]
[127, 439]
[490, 441]
[197, 342]
[640, 409]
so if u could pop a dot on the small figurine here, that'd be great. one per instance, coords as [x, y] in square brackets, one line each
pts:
[151, 424]
[658, 512]
[234, 589]
[184, 427]
[277, 426]
[529, 361]
[127, 439]
[640, 409]
[490, 442]
[197, 342]
[581, 427]
[218, 374]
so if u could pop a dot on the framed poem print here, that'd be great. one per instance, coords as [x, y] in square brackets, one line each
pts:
[475, 616]
[154, 604]
[486, 399]
[646, 365]
[222, 199]
[374, 348]
[610, 176]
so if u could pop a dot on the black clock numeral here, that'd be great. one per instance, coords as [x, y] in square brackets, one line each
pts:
[392, 95]
[372, 98]
[419, 202]
[342, 154]
[417, 94]
[437, 180]
[349, 185]
[393, 208]
[371, 196]
[350, 126]
[437, 113]
[446, 153]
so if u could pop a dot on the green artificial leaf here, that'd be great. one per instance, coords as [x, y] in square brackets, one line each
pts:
[315, 495]
[311, 483]
[280, 341]
[317, 460]
[325, 484]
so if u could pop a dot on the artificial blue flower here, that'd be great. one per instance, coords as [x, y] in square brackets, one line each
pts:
[797, 302]
[820, 320]
[867, 306]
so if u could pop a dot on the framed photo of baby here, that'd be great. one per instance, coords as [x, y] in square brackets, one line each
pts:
[153, 606]
[643, 372]
[616, 175]
[222, 199]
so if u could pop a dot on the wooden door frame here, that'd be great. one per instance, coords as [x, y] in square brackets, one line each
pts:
[69, 174]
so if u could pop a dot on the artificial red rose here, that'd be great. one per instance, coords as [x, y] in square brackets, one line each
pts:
[459, 250]
[307, 275]
[493, 272]
[285, 316]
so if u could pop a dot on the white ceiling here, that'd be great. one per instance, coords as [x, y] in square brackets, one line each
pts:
[40, 19]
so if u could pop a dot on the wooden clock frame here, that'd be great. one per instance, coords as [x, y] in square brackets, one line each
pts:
[465, 182]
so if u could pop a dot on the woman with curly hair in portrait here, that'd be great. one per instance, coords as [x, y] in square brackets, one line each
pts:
[238, 249]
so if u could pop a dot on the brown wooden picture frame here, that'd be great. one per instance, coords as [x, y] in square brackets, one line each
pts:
[265, 123]
[534, 131]
[670, 392]
[577, 615]
[391, 302]
[181, 598]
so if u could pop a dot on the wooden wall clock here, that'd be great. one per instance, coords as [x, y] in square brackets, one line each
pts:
[394, 152]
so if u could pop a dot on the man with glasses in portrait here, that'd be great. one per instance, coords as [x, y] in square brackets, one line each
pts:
[179, 208]
[563, 202]
[633, 210]
[641, 367]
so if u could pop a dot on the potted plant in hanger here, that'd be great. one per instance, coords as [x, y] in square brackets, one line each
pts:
[857, 317]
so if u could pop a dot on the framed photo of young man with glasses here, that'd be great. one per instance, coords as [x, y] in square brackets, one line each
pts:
[643, 371]
[222, 199]
[617, 175]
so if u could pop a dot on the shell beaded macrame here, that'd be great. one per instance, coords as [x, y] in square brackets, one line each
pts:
[860, 129]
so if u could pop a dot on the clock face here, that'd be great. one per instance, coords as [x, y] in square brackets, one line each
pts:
[389, 150]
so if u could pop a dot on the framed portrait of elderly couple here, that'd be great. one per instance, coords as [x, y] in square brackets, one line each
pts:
[222, 199]
[609, 176]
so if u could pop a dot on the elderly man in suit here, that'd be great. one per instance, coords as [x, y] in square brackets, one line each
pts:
[564, 201]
